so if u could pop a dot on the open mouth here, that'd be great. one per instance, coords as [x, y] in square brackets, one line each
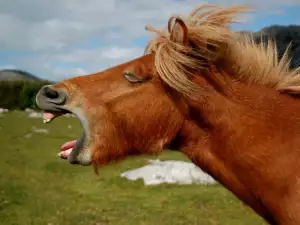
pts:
[70, 150]
[53, 102]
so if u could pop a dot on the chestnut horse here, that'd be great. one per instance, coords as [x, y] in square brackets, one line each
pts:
[224, 101]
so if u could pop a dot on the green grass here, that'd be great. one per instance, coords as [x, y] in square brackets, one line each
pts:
[36, 187]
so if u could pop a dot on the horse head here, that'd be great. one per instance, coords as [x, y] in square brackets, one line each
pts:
[123, 110]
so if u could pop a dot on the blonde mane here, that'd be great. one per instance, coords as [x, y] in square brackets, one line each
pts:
[212, 44]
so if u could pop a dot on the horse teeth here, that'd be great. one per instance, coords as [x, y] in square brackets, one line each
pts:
[46, 120]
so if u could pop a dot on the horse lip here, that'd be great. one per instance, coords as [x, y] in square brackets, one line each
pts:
[73, 157]
[80, 154]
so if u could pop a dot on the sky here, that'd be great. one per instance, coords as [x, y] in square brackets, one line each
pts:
[60, 39]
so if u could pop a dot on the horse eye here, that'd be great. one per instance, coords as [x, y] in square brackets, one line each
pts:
[132, 78]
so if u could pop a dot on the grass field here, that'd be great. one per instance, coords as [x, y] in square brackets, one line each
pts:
[36, 187]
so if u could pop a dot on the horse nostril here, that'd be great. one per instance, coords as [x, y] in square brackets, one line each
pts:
[53, 95]
[50, 93]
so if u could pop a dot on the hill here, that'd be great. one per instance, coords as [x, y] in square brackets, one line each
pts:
[14, 75]
[18, 89]
[283, 36]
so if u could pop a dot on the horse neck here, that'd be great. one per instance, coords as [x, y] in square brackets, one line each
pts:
[214, 105]
[208, 135]
[196, 142]
[237, 136]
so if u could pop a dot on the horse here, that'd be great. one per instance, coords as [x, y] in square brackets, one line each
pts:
[227, 103]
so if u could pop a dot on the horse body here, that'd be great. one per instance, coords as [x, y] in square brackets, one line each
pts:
[201, 88]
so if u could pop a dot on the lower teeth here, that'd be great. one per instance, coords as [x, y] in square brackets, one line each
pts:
[65, 154]
[46, 120]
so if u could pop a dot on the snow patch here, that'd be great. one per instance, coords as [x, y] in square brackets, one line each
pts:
[28, 135]
[69, 115]
[170, 171]
[35, 115]
[38, 130]
[29, 110]
[2, 110]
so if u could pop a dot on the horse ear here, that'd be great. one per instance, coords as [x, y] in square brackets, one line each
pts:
[179, 31]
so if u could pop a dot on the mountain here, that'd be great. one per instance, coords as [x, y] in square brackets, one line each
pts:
[13, 74]
[283, 36]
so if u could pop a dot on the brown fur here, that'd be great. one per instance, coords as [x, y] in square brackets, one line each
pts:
[216, 97]
[251, 146]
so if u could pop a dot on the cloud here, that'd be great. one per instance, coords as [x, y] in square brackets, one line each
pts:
[73, 62]
[62, 37]
[61, 72]
[99, 54]
[67, 22]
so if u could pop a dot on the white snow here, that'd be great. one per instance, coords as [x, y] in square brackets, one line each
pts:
[3, 110]
[29, 110]
[40, 130]
[28, 135]
[35, 115]
[170, 171]
[69, 115]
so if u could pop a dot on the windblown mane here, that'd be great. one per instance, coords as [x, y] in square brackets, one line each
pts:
[212, 44]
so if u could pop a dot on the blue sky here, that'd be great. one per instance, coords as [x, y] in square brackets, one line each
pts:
[284, 16]
[59, 39]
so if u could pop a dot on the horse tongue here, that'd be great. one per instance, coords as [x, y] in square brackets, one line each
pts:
[68, 145]
[48, 116]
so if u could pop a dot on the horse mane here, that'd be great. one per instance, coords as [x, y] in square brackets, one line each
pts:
[212, 44]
